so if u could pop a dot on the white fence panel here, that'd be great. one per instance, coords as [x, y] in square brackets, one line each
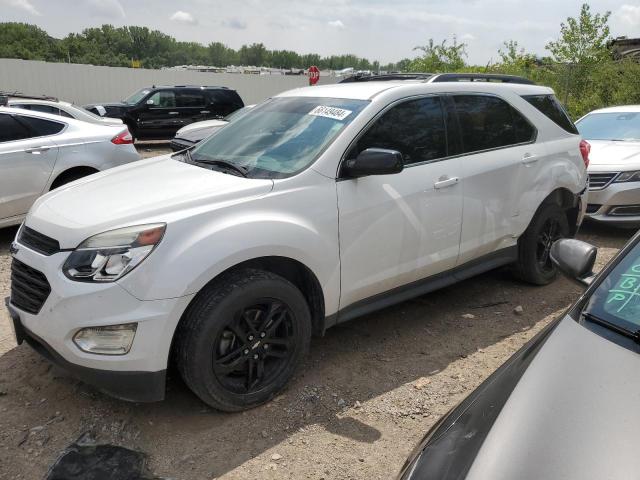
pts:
[82, 84]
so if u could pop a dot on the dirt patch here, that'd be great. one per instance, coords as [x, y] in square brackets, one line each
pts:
[367, 393]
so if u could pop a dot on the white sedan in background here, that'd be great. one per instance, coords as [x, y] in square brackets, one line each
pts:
[614, 168]
[41, 151]
[64, 109]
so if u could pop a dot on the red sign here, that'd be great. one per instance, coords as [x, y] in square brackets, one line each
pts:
[314, 75]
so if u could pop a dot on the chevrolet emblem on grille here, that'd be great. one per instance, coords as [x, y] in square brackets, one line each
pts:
[13, 249]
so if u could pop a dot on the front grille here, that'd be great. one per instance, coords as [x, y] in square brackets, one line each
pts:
[593, 207]
[598, 181]
[29, 287]
[37, 241]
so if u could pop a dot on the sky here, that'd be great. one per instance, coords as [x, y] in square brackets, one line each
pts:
[375, 29]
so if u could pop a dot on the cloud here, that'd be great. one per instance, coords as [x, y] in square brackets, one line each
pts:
[629, 14]
[467, 36]
[22, 5]
[336, 24]
[183, 17]
[106, 8]
[235, 23]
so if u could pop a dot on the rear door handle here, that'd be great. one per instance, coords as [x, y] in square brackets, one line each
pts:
[529, 158]
[174, 113]
[444, 182]
[36, 150]
[205, 111]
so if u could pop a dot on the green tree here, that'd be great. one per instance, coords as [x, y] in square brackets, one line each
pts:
[582, 40]
[440, 57]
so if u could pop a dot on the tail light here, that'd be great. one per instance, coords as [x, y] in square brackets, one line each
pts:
[585, 148]
[123, 138]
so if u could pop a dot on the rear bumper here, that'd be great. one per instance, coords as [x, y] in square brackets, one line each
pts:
[133, 386]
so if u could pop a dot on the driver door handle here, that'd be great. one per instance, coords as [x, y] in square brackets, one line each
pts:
[205, 111]
[174, 113]
[36, 150]
[445, 181]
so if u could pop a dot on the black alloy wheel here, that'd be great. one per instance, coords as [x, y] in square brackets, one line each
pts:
[255, 346]
[242, 339]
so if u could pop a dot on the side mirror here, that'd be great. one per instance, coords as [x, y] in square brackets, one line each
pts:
[575, 259]
[373, 161]
[150, 102]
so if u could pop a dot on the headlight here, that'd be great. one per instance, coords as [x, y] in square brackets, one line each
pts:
[628, 177]
[108, 256]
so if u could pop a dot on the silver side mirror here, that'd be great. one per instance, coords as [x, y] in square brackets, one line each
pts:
[575, 259]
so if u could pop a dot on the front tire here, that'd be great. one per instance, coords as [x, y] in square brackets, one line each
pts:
[242, 339]
[534, 262]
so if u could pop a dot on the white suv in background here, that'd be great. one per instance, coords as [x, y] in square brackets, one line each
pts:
[319, 205]
[614, 171]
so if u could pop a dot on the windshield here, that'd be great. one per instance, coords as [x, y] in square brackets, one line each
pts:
[136, 97]
[281, 137]
[237, 114]
[610, 126]
[83, 111]
[617, 298]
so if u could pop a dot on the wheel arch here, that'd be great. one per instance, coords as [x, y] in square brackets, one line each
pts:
[568, 201]
[293, 270]
[72, 172]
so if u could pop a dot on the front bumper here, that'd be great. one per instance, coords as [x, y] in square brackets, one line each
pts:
[602, 206]
[71, 306]
[130, 385]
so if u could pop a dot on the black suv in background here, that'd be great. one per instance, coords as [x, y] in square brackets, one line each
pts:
[159, 112]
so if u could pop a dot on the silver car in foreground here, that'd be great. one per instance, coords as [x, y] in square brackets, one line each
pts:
[565, 406]
[41, 151]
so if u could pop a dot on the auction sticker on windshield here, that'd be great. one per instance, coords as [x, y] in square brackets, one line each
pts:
[330, 112]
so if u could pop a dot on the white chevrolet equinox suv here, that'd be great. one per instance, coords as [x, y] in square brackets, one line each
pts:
[319, 205]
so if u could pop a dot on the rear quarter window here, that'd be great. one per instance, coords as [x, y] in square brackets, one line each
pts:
[553, 110]
[41, 127]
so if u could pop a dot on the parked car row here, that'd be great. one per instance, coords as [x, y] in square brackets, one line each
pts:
[323, 204]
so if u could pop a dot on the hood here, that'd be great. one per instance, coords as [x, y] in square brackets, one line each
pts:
[205, 124]
[197, 134]
[114, 109]
[607, 155]
[572, 415]
[111, 121]
[154, 190]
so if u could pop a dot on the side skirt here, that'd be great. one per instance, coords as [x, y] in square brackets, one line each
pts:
[426, 285]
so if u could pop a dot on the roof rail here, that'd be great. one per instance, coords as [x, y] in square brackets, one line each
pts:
[30, 97]
[386, 77]
[479, 77]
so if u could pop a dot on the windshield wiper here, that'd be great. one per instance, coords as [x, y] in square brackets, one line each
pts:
[222, 163]
[635, 336]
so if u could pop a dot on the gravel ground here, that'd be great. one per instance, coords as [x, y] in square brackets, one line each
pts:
[367, 393]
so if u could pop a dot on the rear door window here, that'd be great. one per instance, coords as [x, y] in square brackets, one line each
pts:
[11, 130]
[553, 110]
[41, 127]
[415, 128]
[190, 98]
[488, 122]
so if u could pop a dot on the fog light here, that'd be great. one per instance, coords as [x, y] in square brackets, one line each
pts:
[108, 340]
